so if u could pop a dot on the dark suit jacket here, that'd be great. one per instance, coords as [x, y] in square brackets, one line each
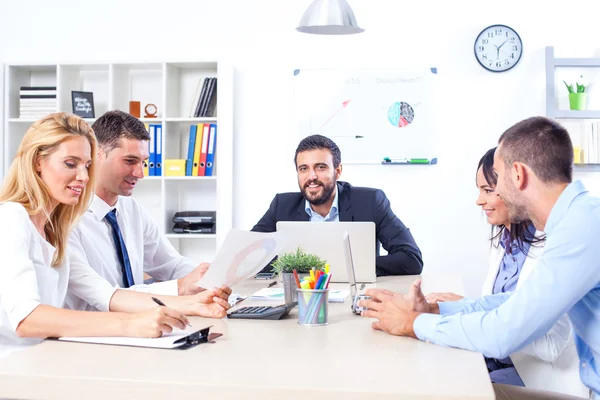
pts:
[357, 204]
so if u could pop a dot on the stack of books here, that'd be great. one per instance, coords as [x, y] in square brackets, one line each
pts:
[36, 101]
[205, 99]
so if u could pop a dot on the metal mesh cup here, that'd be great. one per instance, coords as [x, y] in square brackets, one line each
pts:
[313, 307]
[289, 287]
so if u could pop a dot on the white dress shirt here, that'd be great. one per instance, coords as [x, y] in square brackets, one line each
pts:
[27, 278]
[92, 245]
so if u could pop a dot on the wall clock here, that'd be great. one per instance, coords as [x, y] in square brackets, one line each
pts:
[498, 48]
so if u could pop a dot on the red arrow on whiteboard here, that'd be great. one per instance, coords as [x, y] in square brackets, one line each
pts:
[344, 105]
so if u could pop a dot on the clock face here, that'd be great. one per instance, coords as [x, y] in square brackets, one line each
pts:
[498, 48]
[151, 109]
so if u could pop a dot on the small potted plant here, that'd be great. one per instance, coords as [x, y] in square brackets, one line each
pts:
[577, 93]
[299, 261]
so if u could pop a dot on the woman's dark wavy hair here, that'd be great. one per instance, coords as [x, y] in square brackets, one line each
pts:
[518, 232]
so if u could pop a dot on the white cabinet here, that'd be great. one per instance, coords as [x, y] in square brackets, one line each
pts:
[171, 86]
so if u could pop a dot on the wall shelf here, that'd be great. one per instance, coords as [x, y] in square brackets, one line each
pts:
[587, 167]
[577, 114]
[552, 63]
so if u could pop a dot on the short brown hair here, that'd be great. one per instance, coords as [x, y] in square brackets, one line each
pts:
[319, 142]
[114, 125]
[542, 144]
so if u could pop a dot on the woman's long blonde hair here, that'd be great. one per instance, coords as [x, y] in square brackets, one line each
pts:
[23, 184]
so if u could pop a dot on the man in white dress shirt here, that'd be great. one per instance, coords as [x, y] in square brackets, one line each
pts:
[116, 237]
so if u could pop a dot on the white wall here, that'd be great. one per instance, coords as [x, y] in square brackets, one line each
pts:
[258, 38]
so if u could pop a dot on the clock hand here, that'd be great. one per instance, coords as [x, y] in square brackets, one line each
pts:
[502, 44]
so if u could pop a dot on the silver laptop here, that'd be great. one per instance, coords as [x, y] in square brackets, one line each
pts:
[326, 239]
[355, 294]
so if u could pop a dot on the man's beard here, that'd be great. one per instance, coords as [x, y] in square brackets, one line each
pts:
[516, 212]
[326, 193]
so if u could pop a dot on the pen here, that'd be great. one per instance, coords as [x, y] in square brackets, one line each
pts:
[272, 284]
[297, 279]
[160, 303]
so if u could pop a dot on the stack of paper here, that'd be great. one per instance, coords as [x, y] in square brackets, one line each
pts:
[335, 296]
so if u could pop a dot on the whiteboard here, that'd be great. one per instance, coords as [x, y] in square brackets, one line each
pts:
[370, 114]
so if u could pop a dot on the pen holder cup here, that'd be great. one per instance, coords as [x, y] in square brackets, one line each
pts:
[313, 307]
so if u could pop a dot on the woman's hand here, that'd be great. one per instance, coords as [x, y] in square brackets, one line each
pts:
[442, 297]
[154, 322]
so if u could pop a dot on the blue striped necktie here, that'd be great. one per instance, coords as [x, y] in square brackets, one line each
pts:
[111, 218]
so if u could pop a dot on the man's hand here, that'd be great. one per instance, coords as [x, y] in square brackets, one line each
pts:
[396, 312]
[418, 300]
[186, 286]
[206, 296]
[442, 297]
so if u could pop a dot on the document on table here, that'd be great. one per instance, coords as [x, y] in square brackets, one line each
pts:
[242, 255]
[335, 296]
[167, 341]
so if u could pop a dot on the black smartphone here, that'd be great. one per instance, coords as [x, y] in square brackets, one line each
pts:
[265, 275]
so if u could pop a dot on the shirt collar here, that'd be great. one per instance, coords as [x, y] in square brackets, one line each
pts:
[572, 191]
[505, 239]
[99, 208]
[334, 205]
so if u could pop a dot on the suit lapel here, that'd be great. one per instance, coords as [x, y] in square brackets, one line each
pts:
[344, 204]
[301, 214]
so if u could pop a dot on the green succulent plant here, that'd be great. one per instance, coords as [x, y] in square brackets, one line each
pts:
[299, 261]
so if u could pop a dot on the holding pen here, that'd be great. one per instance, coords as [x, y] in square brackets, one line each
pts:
[160, 303]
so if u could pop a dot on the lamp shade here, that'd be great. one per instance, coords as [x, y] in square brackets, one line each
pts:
[329, 17]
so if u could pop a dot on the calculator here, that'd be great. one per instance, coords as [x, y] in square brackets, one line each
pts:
[263, 312]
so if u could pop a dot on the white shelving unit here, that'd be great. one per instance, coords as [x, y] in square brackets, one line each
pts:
[171, 87]
[552, 110]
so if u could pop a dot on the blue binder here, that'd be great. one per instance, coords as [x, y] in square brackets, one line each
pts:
[159, 152]
[152, 151]
[190, 156]
[210, 155]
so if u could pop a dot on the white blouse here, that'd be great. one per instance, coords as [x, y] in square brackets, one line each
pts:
[27, 278]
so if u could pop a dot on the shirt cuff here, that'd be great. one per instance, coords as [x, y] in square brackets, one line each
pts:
[450, 307]
[169, 288]
[425, 326]
[21, 312]
[102, 297]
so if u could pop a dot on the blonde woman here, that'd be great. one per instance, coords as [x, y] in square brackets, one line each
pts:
[46, 190]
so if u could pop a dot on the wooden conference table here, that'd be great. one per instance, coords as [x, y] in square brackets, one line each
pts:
[258, 360]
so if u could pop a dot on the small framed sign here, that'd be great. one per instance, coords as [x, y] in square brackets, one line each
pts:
[83, 104]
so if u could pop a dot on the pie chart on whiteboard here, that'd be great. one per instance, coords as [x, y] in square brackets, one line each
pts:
[400, 114]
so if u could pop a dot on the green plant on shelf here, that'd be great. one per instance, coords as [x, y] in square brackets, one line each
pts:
[580, 85]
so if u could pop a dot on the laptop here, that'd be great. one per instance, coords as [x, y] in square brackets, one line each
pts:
[326, 240]
[355, 295]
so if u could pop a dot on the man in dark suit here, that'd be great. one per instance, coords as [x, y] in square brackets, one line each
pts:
[323, 198]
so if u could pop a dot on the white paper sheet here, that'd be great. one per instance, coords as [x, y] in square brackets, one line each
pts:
[242, 255]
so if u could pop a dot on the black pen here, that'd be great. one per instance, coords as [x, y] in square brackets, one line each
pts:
[160, 303]
[272, 284]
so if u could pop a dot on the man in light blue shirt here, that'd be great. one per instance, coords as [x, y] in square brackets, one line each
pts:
[332, 216]
[534, 164]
